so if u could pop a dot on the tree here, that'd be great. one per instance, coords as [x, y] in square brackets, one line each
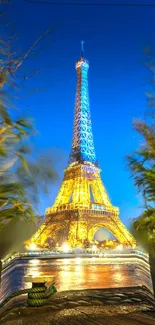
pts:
[23, 173]
[141, 164]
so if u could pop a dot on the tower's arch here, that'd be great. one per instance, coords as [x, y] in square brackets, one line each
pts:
[118, 230]
[103, 234]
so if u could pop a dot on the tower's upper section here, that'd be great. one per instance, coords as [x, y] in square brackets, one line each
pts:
[82, 142]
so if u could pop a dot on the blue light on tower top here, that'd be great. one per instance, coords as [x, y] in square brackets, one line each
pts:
[82, 144]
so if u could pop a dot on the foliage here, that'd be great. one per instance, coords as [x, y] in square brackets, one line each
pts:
[141, 164]
[23, 173]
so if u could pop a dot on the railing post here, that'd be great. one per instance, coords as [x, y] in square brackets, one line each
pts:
[39, 293]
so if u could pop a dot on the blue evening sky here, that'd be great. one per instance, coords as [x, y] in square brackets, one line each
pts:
[115, 38]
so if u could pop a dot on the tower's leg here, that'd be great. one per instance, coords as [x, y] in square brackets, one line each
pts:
[78, 233]
[119, 230]
[48, 235]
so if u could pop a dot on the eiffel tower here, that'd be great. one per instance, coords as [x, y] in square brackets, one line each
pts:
[82, 205]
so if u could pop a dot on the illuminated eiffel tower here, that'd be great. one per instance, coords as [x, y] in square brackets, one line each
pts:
[82, 205]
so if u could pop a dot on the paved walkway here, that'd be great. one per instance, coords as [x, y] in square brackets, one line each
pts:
[123, 306]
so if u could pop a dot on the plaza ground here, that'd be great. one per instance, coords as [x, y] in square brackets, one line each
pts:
[123, 306]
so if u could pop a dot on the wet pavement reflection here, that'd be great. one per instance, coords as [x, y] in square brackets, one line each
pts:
[75, 273]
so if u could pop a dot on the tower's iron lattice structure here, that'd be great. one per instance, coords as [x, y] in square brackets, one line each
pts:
[82, 205]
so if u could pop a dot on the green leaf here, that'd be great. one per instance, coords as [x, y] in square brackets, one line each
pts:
[5, 115]
[23, 161]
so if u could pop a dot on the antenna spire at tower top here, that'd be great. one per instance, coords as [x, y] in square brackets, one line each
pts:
[82, 49]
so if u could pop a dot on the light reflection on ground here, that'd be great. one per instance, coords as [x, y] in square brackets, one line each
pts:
[76, 273]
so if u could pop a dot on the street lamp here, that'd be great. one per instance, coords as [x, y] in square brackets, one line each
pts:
[33, 247]
[65, 248]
